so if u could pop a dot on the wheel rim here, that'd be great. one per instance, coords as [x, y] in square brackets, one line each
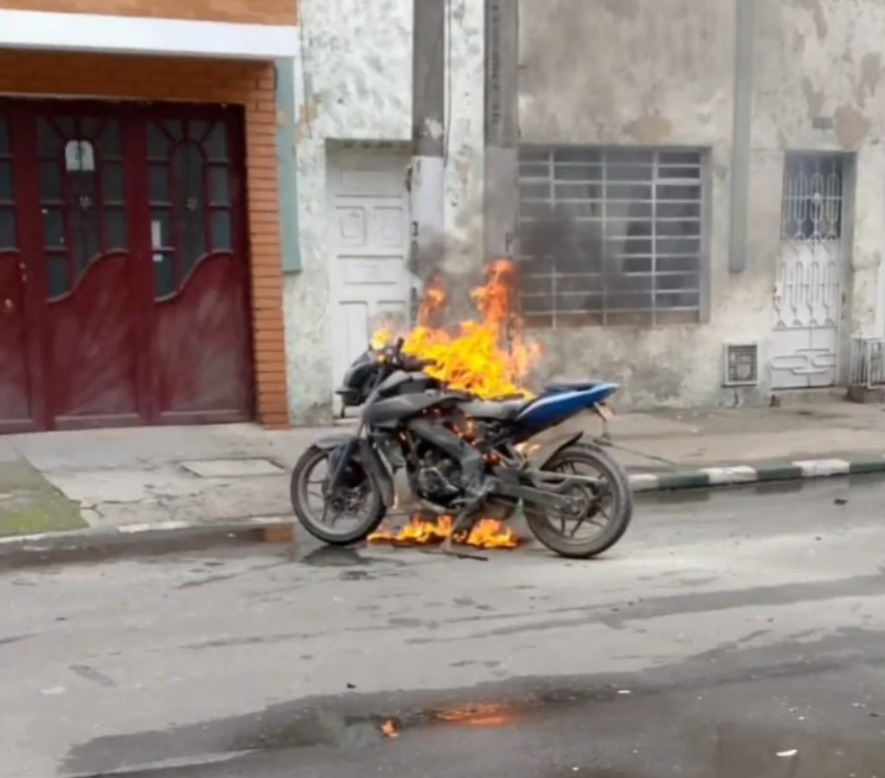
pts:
[592, 507]
[341, 514]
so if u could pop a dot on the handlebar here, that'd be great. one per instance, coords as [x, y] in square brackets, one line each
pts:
[394, 355]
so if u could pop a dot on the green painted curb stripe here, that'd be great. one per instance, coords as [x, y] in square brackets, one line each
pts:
[687, 480]
[860, 466]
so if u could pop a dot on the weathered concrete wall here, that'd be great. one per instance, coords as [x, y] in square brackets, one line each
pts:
[356, 85]
[661, 72]
[646, 73]
[641, 72]
[820, 85]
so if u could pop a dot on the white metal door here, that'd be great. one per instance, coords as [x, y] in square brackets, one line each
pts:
[369, 234]
[804, 346]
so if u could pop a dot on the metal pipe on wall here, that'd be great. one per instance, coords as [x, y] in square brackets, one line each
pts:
[427, 170]
[745, 40]
[501, 191]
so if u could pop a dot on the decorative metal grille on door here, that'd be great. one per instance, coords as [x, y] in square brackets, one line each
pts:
[808, 290]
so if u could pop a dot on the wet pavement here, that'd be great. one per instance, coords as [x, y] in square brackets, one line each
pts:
[730, 634]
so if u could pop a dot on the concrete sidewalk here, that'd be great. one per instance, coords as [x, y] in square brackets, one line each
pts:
[174, 478]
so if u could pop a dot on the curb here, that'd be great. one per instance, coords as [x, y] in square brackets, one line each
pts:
[280, 528]
[179, 533]
[737, 475]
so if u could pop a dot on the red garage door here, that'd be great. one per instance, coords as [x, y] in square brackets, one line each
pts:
[123, 266]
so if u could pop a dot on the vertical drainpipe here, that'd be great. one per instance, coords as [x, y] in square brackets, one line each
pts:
[745, 39]
[501, 190]
[287, 119]
[427, 170]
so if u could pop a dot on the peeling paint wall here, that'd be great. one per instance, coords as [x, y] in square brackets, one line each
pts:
[640, 72]
[661, 72]
[821, 86]
[356, 85]
[645, 73]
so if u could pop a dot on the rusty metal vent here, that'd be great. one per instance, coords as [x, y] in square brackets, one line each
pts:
[741, 364]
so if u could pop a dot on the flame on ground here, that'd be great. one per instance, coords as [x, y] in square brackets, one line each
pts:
[477, 715]
[490, 355]
[486, 533]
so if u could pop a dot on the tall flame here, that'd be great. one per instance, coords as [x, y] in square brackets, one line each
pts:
[489, 356]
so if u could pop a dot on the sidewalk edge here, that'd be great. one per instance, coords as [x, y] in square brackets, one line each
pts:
[737, 475]
[244, 529]
[130, 534]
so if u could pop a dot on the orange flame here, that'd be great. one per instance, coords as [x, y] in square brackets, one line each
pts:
[486, 533]
[489, 356]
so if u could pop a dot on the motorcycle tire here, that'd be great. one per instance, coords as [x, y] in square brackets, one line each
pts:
[552, 537]
[376, 508]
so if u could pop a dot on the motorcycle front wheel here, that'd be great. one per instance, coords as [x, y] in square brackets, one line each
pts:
[606, 509]
[347, 516]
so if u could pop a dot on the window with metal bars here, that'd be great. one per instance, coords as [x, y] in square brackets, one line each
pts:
[611, 236]
[812, 198]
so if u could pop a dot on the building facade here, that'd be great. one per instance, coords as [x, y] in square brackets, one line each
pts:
[140, 278]
[699, 216]
[651, 131]
[353, 141]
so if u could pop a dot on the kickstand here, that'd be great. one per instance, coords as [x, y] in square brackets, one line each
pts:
[463, 524]
[446, 549]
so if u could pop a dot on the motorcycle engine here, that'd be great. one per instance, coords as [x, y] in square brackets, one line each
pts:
[437, 478]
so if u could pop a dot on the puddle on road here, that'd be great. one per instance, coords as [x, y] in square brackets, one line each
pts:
[325, 726]
[621, 718]
[331, 556]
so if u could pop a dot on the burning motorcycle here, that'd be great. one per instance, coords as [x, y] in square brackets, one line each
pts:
[463, 457]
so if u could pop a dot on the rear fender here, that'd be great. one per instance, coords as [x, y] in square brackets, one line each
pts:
[539, 459]
[368, 457]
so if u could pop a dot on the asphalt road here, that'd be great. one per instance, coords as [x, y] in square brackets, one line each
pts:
[730, 634]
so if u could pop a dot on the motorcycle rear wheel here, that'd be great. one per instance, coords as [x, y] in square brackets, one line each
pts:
[374, 508]
[613, 475]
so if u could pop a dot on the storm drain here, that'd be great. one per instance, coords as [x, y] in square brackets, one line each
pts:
[231, 468]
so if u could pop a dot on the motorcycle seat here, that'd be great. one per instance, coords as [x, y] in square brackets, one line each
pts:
[498, 410]
[571, 386]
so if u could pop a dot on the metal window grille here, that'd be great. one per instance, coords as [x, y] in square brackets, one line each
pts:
[812, 201]
[611, 236]
[868, 362]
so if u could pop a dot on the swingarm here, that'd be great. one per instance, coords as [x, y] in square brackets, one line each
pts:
[546, 489]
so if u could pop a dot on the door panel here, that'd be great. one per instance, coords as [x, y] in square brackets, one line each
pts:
[124, 274]
[369, 234]
[201, 339]
[90, 307]
[15, 401]
[804, 345]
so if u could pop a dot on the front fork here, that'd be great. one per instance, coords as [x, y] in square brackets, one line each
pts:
[338, 469]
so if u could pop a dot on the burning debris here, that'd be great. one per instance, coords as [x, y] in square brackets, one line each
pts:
[489, 356]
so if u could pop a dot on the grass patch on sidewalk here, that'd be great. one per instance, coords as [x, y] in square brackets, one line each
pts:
[30, 504]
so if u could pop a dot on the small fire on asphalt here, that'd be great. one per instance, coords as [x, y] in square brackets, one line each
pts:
[486, 533]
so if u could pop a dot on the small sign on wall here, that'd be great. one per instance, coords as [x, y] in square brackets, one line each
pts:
[79, 156]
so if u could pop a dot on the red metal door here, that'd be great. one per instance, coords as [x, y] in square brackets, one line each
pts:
[92, 314]
[201, 342]
[123, 266]
[15, 385]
